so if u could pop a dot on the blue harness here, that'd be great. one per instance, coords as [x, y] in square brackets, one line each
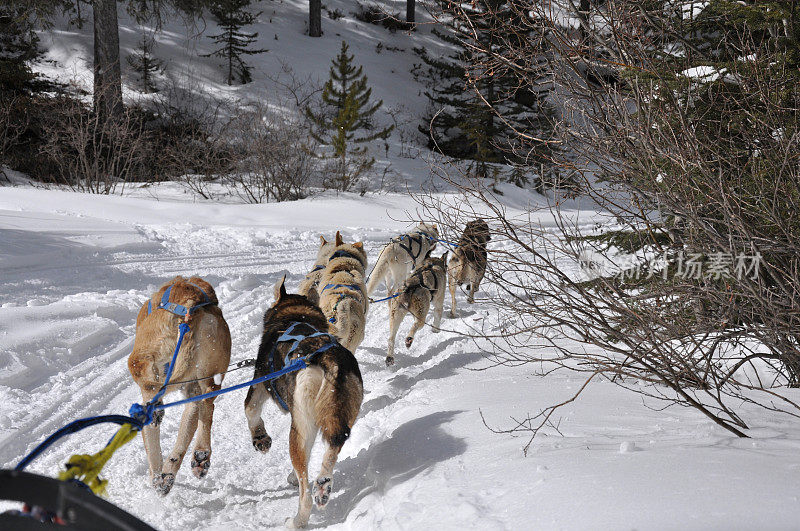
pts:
[174, 307]
[342, 296]
[288, 335]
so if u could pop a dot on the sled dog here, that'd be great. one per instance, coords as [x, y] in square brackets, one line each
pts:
[468, 263]
[402, 255]
[205, 351]
[426, 285]
[326, 396]
[309, 287]
[343, 294]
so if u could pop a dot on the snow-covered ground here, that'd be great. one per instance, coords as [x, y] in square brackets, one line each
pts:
[74, 269]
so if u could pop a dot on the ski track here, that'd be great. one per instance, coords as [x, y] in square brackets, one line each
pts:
[94, 379]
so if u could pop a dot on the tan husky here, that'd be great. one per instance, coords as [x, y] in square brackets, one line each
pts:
[326, 396]
[309, 287]
[343, 294]
[425, 286]
[401, 256]
[468, 263]
[205, 352]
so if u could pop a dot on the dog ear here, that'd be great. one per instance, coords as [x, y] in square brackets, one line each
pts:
[359, 246]
[339, 240]
[444, 256]
[322, 240]
[280, 289]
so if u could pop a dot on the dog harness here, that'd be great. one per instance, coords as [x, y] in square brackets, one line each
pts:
[179, 309]
[342, 296]
[409, 248]
[343, 254]
[422, 278]
[288, 335]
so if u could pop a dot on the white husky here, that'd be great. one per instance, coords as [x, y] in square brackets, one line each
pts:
[401, 256]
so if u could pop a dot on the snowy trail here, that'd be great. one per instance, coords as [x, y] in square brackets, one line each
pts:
[73, 276]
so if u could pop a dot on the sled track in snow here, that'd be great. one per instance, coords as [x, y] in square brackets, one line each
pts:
[239, 477]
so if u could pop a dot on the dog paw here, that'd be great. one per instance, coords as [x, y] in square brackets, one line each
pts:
[294, 522]
[470, 300]
[389, 361]
[409, 340]
[163, 483]
[452, 314]
[322, 491]
[200, 463]
[291, 479]
[262, 443]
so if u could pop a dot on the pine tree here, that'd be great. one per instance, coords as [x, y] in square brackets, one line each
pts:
[232, 16]
[467, 92]
[18, 46]
[346, 119]
[143, 62]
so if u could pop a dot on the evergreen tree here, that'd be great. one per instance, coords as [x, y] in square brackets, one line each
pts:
[345, 121]
[143, 62]
[232, 16]
[468, 89]
[18, 46]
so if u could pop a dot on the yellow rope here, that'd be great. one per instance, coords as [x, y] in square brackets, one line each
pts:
[86, 468]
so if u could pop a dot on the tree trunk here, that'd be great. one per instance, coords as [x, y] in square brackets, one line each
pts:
[410, 11]
[315, 18]
[107, 73]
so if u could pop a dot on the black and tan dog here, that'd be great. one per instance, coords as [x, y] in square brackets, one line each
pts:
[468, 264]
[326, 396]
[205, 352]
[424, 287]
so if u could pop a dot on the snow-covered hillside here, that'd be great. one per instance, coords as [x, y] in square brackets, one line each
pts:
[387, 59]
[76, 268]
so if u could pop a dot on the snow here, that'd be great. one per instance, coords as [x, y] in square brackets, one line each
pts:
[76, 268]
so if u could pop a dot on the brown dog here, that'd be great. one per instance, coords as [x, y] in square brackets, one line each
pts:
[325, 396]
[205, 351]
[468, 264]
[343, 292]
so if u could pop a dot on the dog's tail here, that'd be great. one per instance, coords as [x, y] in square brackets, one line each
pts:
[379, 271]
[338, 400]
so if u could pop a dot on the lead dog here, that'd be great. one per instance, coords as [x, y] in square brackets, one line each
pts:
[205, 351]
[468, 263]
[401, 255]
[342, 296]
[325, 396]
[424, 286]
[309, 287]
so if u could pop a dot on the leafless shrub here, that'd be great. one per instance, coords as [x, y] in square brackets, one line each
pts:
[93, 152]
[278, 163]
[13, 124]
[676, 167]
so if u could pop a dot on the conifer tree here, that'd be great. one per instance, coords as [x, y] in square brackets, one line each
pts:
[143, 62]
[232, 16]
[345, 121]
[18, 46]
[467, 92]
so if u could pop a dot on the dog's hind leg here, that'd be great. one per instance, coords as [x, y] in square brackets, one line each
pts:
[301, 440]
[253, 405]
[201, 458]
[151, 437]
[396, 315]
[419, 314]
[185, 434]
[452, 285]
[438, 309]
